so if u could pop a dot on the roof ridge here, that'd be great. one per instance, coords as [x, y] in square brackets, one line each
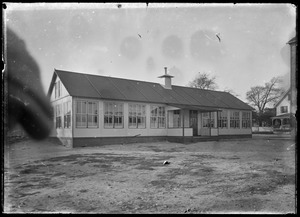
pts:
[283, 96]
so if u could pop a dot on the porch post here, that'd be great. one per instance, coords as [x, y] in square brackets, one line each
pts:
[183, 125]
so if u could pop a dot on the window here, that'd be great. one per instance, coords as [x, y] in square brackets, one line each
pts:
[207, 120]
[137, 116]
[246, 120]
[86, 114]
[158, 119]
[67, 114]
[92, 115]
[58, 116]
[222, 119]
[176, 118]
[283, 109]
[234, 119]
[57, 87]
[113, 115]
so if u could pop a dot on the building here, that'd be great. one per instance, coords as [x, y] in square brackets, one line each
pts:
[94, 110]
[286, 107]
[282, 122]
[294, 85]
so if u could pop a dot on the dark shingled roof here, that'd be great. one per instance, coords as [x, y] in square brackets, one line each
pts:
[110, 88]
[293, 40]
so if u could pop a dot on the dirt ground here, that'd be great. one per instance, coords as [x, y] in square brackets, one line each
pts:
[232, 176]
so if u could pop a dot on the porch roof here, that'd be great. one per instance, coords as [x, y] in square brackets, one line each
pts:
[288, 115]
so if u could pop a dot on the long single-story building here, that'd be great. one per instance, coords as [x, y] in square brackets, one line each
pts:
[96, 110]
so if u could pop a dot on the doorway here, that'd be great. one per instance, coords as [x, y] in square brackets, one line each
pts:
[194, 121]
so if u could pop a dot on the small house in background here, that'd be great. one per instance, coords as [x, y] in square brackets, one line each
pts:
[286, 108]
[281, 122]
[96, 110]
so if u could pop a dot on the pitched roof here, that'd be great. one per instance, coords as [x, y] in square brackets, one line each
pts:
[293, 40]
[282, 98]
[110, 88]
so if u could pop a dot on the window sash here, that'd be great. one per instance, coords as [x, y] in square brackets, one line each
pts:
[113, 115]
[86, 114]
[222, 119]
[234, 119]
[137, 116]
[176, 119]
[158, 119]
[246, 120]
[58, 114]
[284, 109]
[208, 120]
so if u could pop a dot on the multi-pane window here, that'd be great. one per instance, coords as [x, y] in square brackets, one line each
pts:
[283, 109]
[157, 119]
[86, 114]
[207, 120]
[222, 119]
[67, 114]
[92, 114]
[58, 89]
[246, 120]
[137, 116]
[113, 115]
[234, 119]
[176, 118]
[58, 116]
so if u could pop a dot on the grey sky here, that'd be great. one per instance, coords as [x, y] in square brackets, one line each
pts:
[136, 42]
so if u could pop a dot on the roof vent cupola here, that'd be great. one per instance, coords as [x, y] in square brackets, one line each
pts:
[168, 79]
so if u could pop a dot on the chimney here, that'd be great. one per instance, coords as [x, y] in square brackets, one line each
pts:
[168, 82]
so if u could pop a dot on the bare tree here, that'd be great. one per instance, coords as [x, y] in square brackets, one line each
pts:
[203, 81]
[260, 96]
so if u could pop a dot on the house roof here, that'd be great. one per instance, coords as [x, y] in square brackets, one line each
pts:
[293, 40]
[111, 88]
[282, 98]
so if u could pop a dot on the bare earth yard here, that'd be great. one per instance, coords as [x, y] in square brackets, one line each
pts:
[241, 176]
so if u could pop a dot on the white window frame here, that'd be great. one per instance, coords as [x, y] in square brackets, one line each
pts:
[157, 116]
[235, 119]
[176, 118]
[246, 120]
[86, 115]
[113, 115]
[58, 89]
[58, 116]
[208, 120]
[67, 114]
[136, 116]
[222, 119]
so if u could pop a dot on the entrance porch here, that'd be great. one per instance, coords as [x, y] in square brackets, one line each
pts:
[192, 121]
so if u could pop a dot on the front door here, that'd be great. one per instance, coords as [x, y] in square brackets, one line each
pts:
[194, 121]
